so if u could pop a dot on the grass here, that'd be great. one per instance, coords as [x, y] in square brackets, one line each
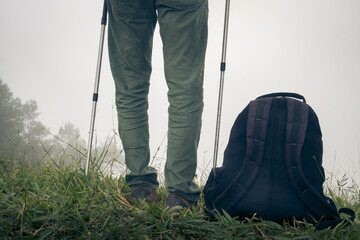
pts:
[56, 201]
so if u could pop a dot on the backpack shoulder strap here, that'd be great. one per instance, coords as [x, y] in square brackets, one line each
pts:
[296, 127]
[258, 118]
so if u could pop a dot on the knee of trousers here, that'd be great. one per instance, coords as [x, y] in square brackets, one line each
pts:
[186, 102]
[132, 106]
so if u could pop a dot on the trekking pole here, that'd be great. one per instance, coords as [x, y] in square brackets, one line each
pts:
[221, 88]
[96, 86]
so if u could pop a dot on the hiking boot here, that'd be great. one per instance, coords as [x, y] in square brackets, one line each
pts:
[143, 192]
[174, 203]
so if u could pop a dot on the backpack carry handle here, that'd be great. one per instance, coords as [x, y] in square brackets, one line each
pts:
[284, 94]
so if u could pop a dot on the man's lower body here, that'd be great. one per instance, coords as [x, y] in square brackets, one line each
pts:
[183, 30]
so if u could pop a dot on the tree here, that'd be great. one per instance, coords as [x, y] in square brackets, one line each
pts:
[69, 133]
[25, 139]
[21, 134]
[68, 146]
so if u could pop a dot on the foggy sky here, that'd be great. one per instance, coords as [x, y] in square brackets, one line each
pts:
[48, 52]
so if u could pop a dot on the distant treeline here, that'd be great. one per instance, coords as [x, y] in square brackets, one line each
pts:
[25, 140]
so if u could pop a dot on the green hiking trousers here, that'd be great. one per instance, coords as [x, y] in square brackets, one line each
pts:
[183, 30]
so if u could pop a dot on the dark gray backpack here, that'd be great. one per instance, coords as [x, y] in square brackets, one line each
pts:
[273, 165]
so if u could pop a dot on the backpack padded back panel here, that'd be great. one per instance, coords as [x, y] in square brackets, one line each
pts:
[270, 195]
[272, 164]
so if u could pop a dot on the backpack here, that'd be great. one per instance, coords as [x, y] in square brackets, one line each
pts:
[272, 165]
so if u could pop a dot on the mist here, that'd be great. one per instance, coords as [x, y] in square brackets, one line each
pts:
[48, 52]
